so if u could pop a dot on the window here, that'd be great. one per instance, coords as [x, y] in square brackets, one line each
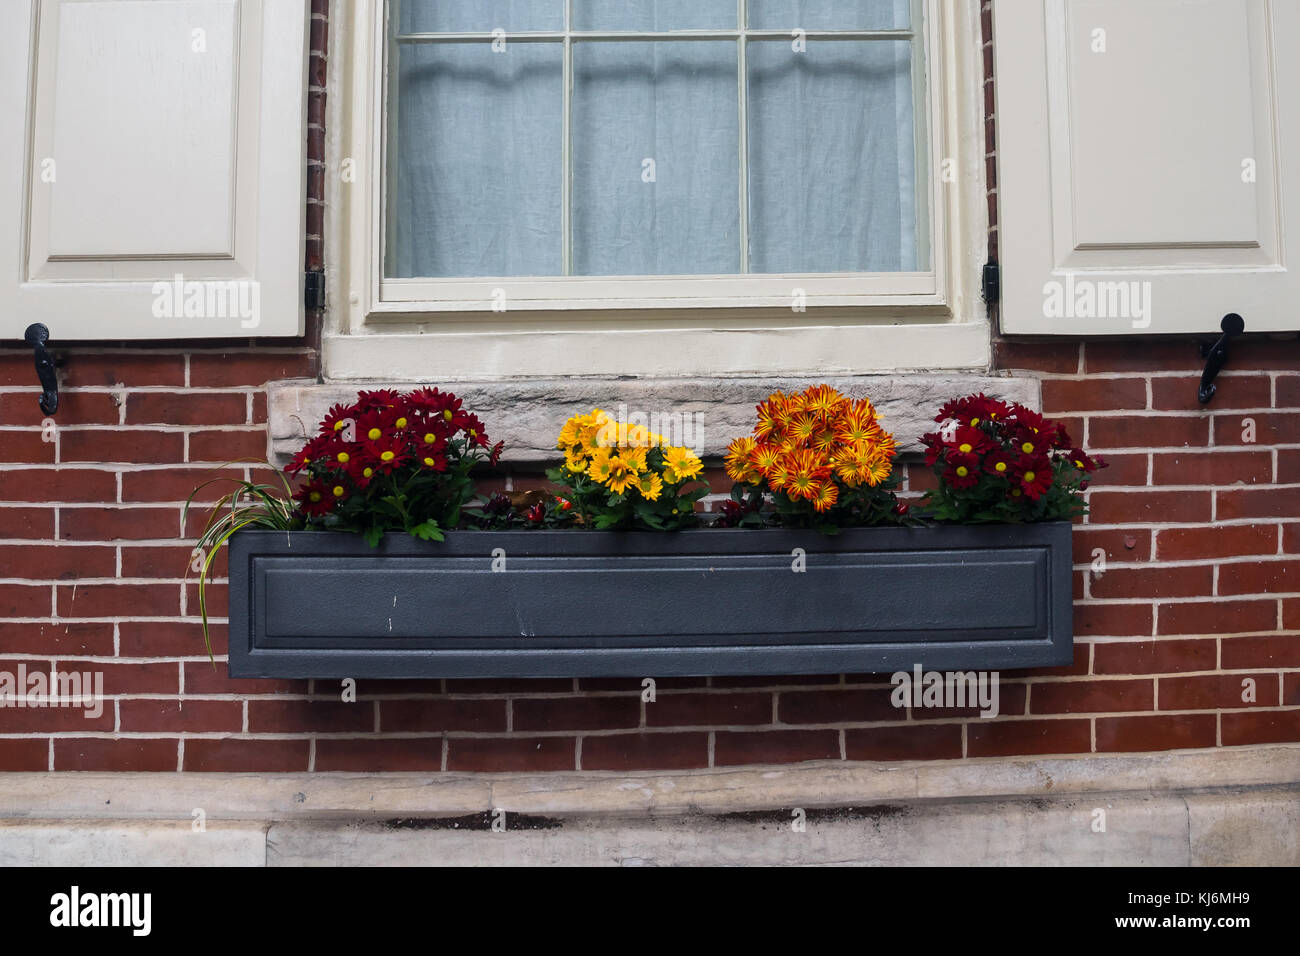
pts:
[668, 137]
[651, 176]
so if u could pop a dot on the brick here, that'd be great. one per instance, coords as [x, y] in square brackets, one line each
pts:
[1053, 357]
[698, 710]
[187, 408]
[1140, 734]
[1012, 738]
[26, 447]
[1291, 614]
[920, 478]
[1257, 503]
[511, 754]
[632, 685]
[50, 562]
[259, 409]
[377, 687]
[1091, 395]
[57, 484]
[1011, 700]
[500, 685]
[178, 716]
[577, 713]
[57, 638]
[1260, 727]
[241, 755]
[162, 677]
[1219, 467]
[1078, 667]
[836, 706]
[177, 484]
[1259, 577]
[371, 755]
[1288, 391]
[204, 677]
[24, 754]
[1216, 617]
[216, 596]
[144, 446]
[116, 523]
[1178, 393]
[1217, 692]
[1119, 544]
[235, 369]
[107, 369]
[441, 715]
[1288, 466]
[1154, 657]
[904, 742]
[1113, 620]
[1271, 428]
[26, 523]
[25, 600]
[1092, 696]
[174, 562]
[58, 720]
[1290, 690]
[169, 639]
[1122, 507]
[1122, 470]
[310, 716]
[75, 408]
[119, 600]
[1147, 431]
[1267, 354]
[1261, 650]
[1141, 355]
[1215, 541]
[104, 754]
[219, 447]
[733, 748]
[1194, 581]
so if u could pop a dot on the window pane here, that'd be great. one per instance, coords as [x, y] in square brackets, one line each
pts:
[832, 172]
[655, 15]
[475, 160]
[479, 16]
[656, 158]
[829, 14]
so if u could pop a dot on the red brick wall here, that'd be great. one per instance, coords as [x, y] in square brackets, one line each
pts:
[1200, 532]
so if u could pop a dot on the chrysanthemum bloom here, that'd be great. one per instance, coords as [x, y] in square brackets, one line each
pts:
[601, 465]
[385, 455]
[378, 398]
[650, 485]
[807, 471]
[621, 477]
[823, 400]
[970, 441]
[374, 424]
[314, 498]
[999, 462]
[737, 460]
[680, 464]
[963, 470]
[360, 473]
[826, 496]
[1033, 475]
[337, 418]
[320, 447]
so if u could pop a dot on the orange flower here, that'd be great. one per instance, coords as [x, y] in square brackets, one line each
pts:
[827, 494]
[738, 460]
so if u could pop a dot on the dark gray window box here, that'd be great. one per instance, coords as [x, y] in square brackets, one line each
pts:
[584, 603]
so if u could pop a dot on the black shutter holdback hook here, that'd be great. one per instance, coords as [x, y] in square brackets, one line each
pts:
[36, 336]
[1216, 355]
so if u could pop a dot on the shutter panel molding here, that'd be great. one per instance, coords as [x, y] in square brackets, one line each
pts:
[153, 162]
[1148, 164]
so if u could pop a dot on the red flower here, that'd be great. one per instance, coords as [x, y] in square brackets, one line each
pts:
[934, 446]
[902, 508]
[337, 418]
[432, 460]
[1083, 462]
[379, 398]
[360, 472]
[963, 470]
[974, 410]
[968, 440]
[536, 514]
[385, 455]
[319, 448]
[1000, 463]
[1033, 475]
[474, 430]
[496, 455]
[314, 499]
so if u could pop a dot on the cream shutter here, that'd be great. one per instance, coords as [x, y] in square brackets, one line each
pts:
[152, 159]
[1148, 164]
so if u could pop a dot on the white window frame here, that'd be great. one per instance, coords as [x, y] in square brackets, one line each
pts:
[666, 326]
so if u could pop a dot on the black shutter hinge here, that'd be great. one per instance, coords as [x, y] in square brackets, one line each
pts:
[990, 286]
[314, 289]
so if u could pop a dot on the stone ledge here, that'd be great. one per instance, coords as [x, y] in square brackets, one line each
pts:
[282, 796]
[527, 414]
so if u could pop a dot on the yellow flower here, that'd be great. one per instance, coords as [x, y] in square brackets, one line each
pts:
[650, 485]
[575, 460]
[600, 467]
[620, 476]
[737, 461]
[634, 457]
[680, 464]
